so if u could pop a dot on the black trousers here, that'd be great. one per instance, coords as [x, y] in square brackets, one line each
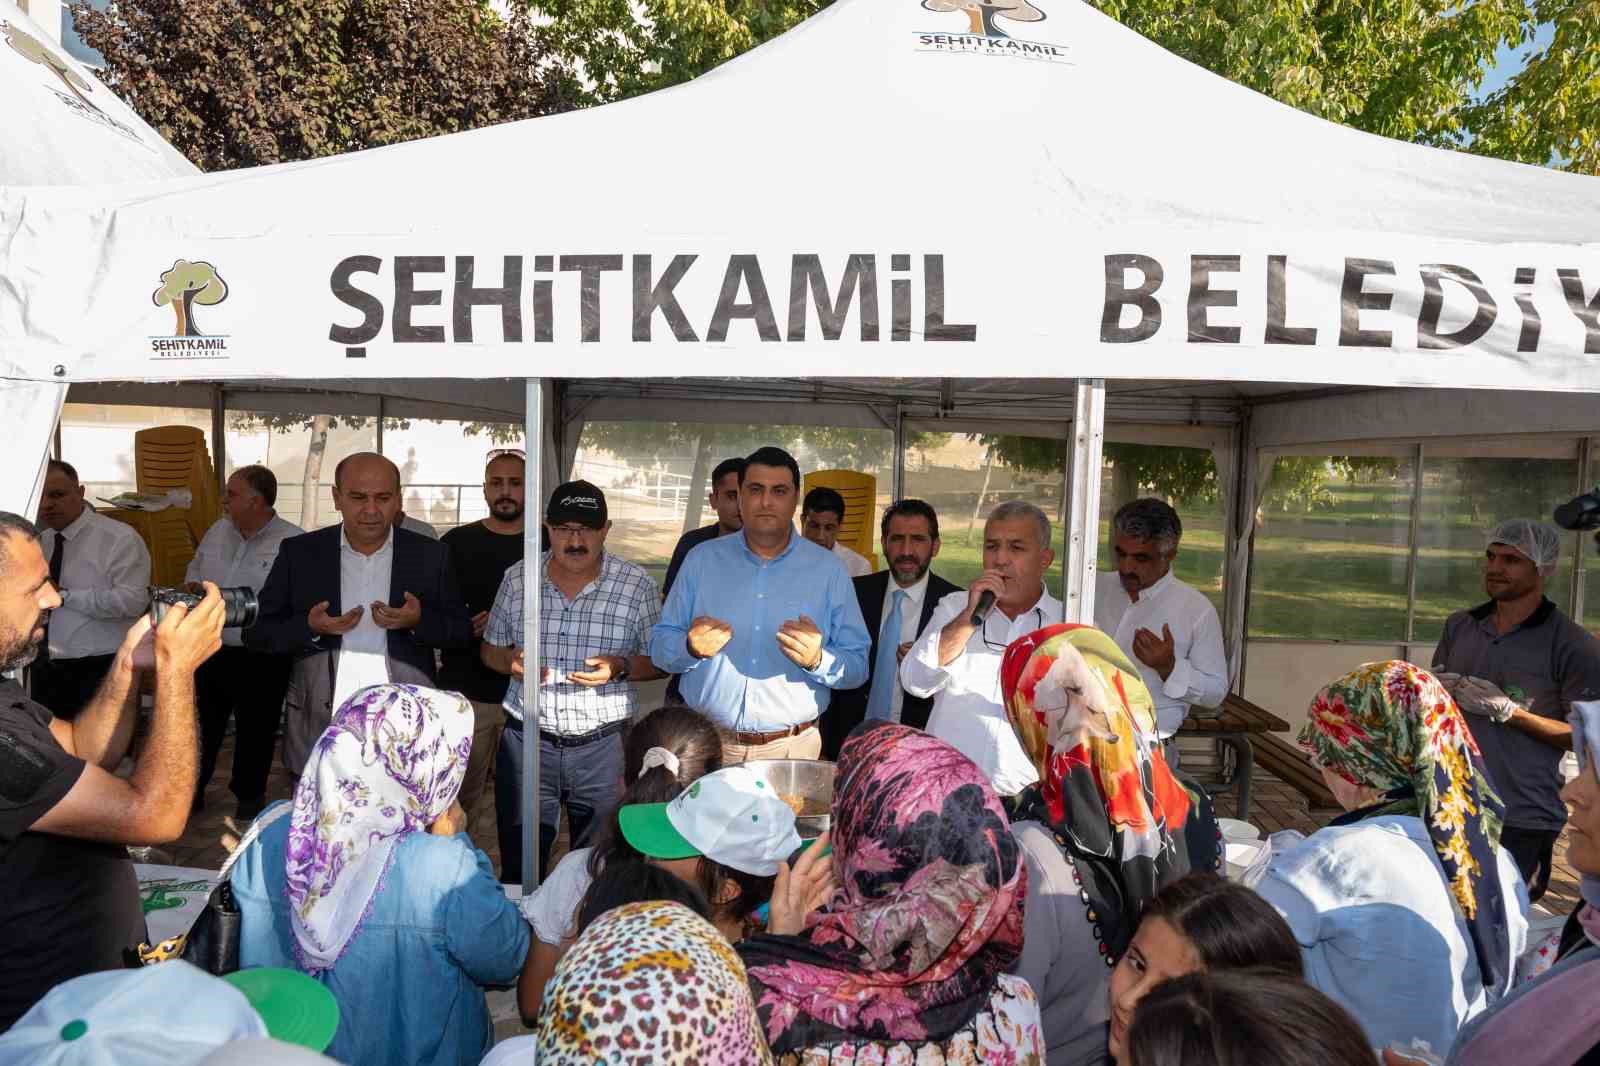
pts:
[67, 685]
[1534, 852]
[249, 686]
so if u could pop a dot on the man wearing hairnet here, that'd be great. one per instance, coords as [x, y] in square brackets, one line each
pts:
[1515, 665]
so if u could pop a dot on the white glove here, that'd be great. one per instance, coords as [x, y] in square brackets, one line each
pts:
[1477, 696]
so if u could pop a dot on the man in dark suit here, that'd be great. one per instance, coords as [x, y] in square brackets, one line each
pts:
[896, 611]
[356, 604]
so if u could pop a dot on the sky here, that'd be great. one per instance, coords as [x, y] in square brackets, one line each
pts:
[1509, 61]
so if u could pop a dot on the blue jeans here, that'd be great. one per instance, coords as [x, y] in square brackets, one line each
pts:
[587, 778]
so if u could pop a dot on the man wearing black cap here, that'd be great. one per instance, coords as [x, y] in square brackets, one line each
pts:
[596, 612]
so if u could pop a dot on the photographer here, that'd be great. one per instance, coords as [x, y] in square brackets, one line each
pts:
[69, 903]
[238, 552]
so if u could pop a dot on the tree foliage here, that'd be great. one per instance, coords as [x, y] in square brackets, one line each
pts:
[251, 82]
[1186, 475]
[621, 48]
[1409, 69]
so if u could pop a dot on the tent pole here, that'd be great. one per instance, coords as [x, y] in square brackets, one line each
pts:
[1579, 540]
[532, 593]
[219, 439]
[1080, 500]
[898, 489]
[1413, 553]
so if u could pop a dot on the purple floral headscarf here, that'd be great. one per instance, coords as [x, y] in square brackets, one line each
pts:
[389, 764]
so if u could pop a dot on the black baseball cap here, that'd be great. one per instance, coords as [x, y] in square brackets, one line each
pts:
[577, 501]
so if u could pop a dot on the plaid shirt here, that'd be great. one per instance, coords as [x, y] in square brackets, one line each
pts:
[613, 615]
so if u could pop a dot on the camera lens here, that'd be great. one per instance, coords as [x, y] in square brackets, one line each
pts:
[239, 607]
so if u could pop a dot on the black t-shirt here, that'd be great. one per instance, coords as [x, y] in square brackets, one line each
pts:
[481, 558]
[67, 907]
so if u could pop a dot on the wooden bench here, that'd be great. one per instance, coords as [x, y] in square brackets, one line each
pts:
[1293, 767]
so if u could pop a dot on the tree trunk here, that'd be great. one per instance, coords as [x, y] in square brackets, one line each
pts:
[693, 506]
[977, 508]
[190, 327]
[181, 329]
[311, 483]
[1124, 485]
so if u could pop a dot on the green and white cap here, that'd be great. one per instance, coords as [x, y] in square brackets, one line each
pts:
[732, 817]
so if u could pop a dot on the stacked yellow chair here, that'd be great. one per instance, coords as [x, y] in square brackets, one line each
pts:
[859, 530]
[166, 458]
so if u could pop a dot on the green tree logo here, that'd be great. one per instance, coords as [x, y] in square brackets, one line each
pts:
[981, 14]
[34, 51]
[185, 285]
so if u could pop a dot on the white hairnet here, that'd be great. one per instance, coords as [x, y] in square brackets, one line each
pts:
[1539, 542]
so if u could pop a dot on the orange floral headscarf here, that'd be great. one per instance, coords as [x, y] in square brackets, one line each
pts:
[1084, 716]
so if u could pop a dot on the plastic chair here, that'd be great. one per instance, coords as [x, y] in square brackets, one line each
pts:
[176, 457]
[858, 530]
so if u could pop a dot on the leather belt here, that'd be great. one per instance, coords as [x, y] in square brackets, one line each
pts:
[752, 739]
[558, 741]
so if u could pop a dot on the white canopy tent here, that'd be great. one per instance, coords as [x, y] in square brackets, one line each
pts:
[61, 127]
[1005, 212]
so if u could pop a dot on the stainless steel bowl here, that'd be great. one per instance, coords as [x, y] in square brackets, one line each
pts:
[809, 779]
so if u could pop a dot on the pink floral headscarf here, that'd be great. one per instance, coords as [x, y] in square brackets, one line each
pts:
[929, 909]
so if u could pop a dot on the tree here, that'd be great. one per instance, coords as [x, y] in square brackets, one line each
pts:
[1408, 69]
[1552, 109]
[621, 48]
[32, 49]
[252, 82]
[185, 285]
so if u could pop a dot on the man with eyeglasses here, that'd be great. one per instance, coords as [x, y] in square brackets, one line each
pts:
[596, 612]
[957, 659]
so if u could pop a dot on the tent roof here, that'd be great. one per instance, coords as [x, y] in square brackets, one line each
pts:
[988, 175]
[61, 126]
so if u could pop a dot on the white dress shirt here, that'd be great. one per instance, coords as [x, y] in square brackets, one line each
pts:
[967, 709]
[1200, 676]
[909, 614]
[105, 570]
[855, 564]
[228, 559]
[364, 651]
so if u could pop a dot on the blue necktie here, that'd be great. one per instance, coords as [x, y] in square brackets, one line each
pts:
[886, 671]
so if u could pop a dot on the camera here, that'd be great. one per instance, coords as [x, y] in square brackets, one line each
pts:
[239, 605]
[1581, 513]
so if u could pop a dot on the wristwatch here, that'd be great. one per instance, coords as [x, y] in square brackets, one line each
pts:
[621, 675]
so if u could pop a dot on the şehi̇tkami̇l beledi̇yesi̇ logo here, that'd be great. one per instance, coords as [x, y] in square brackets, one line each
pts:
[985, 35]
[184, 287]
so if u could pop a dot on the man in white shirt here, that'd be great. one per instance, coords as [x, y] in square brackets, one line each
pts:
[101, 568]
[238, 552]
[820, 517]
[356, 604]
[957, 659]
[1169, 629]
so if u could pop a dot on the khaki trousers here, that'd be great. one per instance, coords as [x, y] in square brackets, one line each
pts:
[487, 721]
[808, 745]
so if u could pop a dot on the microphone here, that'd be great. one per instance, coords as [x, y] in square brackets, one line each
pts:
[980, 613]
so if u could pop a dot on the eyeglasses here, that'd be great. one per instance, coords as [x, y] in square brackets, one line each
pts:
[571, 531]
[991, 645]
[503, 453]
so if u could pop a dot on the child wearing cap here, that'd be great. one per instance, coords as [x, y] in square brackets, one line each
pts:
[728, 834]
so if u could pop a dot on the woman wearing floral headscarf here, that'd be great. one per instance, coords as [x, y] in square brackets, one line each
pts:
[906, 964]
[1106, 828]
[1408, 911]
[371, 885]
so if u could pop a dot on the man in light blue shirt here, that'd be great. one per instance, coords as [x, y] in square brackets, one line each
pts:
[762, 625]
